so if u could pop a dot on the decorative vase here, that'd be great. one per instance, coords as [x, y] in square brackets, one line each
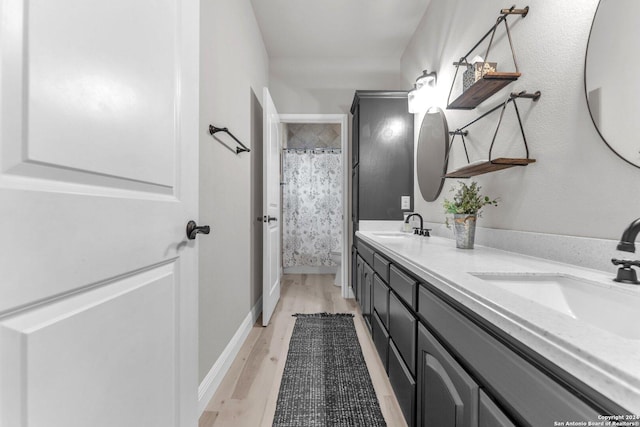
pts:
[465, 229]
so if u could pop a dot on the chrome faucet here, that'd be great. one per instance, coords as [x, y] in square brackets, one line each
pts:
[626, 274]
[419, 231]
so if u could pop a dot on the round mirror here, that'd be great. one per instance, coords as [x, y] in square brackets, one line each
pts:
[431, 157]
[611, 79]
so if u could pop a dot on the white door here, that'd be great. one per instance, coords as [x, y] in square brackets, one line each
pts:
[271, 208]
[98, 178]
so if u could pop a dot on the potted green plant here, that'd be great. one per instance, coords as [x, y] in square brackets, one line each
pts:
[466, 208]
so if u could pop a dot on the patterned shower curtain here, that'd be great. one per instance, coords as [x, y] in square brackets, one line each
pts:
[312, 207]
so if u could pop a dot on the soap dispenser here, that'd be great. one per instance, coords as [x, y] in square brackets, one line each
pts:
[406, 226]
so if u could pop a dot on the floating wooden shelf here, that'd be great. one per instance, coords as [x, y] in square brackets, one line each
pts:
[484, 88]
[486, 166]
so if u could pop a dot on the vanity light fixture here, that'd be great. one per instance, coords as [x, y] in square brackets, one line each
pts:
[418, 97]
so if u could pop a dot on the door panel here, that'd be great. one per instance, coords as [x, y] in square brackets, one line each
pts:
[271, 208]
[98, 178]
[91, 103]
[68, 346]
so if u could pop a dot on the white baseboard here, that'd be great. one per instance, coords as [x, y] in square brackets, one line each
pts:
[212, 381]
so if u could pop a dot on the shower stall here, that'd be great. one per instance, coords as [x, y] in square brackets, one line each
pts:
[312, 200]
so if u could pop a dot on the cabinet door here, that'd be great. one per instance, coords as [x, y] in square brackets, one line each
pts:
[447, 396]
[367, 286]
[403, 385]
[490, 415]
[380, 339]
[354, 271]
[385, 157]
[355, 186]
[359, 278]
[355, 131]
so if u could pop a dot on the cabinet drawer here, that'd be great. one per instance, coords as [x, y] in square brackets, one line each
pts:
[381, 299]
[381, 266]
[365, 252]
[403, 384]
[541, 402]
[490, 415]
[404, 286]
[380, 340]
[402, 328]
[447, 395]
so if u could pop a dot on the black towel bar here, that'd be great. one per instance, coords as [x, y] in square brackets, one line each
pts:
[213, 130]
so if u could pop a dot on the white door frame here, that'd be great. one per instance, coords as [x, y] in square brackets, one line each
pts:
[341, 119]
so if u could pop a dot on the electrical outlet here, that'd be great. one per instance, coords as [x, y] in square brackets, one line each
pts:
[405, 202]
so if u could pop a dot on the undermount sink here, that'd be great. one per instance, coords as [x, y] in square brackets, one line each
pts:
[601, 306]
[390, 234]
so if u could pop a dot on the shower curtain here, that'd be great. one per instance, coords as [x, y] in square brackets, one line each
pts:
[312, 207]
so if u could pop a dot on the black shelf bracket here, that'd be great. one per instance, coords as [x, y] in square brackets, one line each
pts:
[511, 99]
[492, 32]
[213, 130]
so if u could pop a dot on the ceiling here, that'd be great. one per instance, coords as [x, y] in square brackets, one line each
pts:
[337, 28]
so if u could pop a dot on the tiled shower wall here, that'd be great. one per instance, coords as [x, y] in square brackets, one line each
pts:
[313, 135]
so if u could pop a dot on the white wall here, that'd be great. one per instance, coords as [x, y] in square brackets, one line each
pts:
[308, 86]
[233, 70]
[578, 186]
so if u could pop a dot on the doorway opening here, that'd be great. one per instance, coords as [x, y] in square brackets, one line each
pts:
[314, 192]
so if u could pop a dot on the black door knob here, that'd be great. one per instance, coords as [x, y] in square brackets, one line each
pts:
[193, 230]
[267, 218]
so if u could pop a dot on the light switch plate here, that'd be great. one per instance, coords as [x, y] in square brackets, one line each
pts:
[405, 202]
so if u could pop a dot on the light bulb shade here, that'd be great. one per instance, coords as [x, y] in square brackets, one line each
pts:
[418, 100]
[412, 101]
[426, 79]
[418, 97]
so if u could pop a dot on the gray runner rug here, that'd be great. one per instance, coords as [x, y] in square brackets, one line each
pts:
[325, 380]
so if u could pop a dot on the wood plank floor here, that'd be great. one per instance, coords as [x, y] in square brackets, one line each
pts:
[248, 394]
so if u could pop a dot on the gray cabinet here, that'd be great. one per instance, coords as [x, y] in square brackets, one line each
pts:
[541, 402]
[403, 384]
[447, 396]
[380, 340]
[402, 329]
[404, 285]
[382, 154]
[359, 277]
[381, 300]
[367, 291]
[447, 366]
[381, 266]
[354, 271]
[489, 415]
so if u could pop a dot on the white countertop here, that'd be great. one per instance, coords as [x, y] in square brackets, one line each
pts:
[607, 362]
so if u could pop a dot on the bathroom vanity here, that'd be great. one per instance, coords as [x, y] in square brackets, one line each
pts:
[491, 338]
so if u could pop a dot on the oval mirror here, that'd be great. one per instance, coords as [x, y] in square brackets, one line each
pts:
[431, 156]
[611, 79]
